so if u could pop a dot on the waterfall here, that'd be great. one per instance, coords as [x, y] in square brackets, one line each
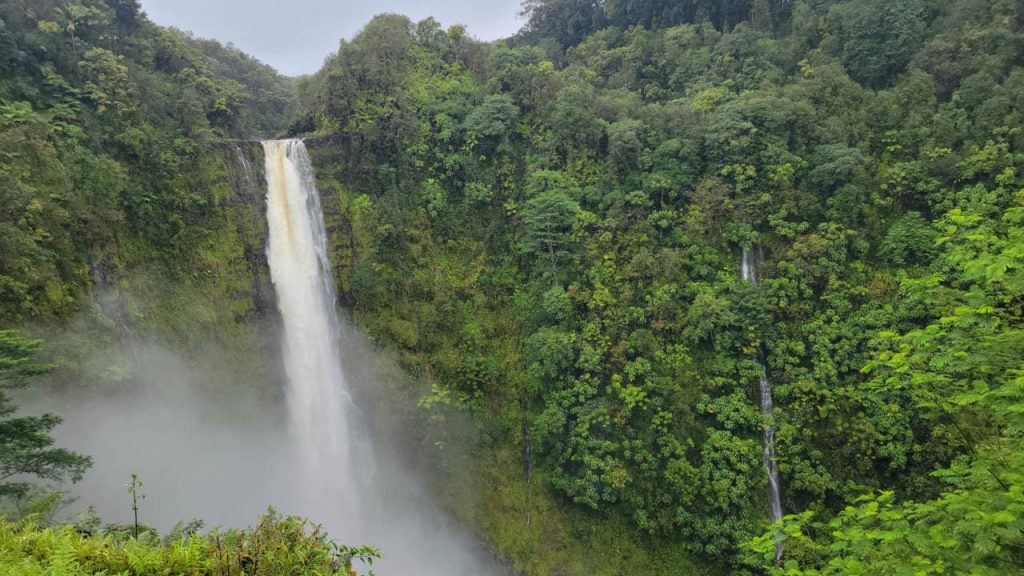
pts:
[317, 394]
[748, 270]
[247, 176]
[346, 479]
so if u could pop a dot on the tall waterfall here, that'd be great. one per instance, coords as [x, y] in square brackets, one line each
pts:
[748, 269]
[318, 397]
[346, 479]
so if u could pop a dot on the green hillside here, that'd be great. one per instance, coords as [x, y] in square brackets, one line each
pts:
[546, 233]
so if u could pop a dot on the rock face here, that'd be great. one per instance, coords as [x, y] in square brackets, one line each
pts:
[215, 305]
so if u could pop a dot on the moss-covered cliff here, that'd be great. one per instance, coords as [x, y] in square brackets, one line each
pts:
[124, 214]
[212, 304]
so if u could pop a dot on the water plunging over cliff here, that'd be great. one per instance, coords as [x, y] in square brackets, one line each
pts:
[748, 269]
[300, 269]
[359, 489]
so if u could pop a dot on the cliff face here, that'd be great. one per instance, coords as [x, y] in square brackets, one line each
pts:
[337, 199]
[213, 305]
[122, 219]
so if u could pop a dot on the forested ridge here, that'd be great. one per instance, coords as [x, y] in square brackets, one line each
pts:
[547, 232]
[104, 117]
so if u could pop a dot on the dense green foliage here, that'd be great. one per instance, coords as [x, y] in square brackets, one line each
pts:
[26, 447]
[961, 367]
[124, 217]
[548, 232]
[103, 121]
[275, 546]
[124, 213]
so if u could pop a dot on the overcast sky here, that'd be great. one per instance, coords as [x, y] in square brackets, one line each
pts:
[295, 36]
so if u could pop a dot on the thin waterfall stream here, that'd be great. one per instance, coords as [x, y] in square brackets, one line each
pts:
[247, 177]
[749, 269]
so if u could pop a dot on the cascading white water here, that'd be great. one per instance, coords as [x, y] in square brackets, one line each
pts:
[748, 270]
[356, 487]
[318, 399]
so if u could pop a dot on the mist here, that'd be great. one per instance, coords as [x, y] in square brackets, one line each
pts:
[207, 447]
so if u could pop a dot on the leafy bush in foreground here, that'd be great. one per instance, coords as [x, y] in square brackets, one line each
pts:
[277, 545]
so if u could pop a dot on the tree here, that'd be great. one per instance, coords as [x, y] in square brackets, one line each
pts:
[909, 240]
[492, 119]
[567, 22]
[547, 221]
[26, 447]
[626, 143]
[881, 38]
[649, 13]
[127, 12]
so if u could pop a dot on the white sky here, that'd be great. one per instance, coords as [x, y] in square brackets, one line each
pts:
[295, 36]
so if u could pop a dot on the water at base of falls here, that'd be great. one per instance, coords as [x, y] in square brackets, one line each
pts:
[748, 270]
[361, 494]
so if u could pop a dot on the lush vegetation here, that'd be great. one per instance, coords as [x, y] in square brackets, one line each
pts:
[103, 122]
[26, 447]
[547, 233]
[120, 218]
[123, 216]
[277, 545]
